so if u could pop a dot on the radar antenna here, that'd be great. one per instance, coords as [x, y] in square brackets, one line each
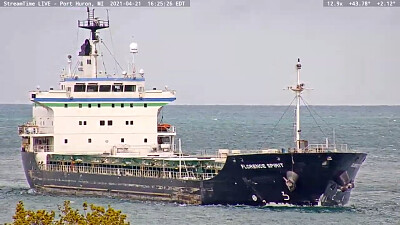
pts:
[298, 89]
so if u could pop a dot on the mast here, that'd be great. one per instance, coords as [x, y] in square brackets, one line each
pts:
[90, 49]
[93, 24]
[298, 89]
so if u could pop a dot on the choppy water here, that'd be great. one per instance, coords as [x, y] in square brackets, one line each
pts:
[371, 129]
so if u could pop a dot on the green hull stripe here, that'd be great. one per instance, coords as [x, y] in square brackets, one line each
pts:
[96, 105]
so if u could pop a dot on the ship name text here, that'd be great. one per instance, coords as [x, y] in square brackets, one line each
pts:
[261, 166]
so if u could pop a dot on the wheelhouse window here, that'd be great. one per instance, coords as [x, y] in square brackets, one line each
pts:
[117, 88]
[109, 123]
[130, 88]
[92, 88]
[105, 88]
[102, 122]
[79, 88]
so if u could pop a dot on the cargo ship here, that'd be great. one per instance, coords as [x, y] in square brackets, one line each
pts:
[101, 134]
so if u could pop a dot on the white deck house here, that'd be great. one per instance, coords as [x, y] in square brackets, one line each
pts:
[95, 113]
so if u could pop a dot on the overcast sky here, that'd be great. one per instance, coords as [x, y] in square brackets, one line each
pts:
[219, 51]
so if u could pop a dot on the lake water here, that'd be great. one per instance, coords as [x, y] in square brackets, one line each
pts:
[371, 129]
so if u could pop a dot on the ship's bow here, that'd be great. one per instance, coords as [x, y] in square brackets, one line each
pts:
[299, 179]
[342, 182]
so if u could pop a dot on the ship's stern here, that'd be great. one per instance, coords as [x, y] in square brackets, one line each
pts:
[30, 165]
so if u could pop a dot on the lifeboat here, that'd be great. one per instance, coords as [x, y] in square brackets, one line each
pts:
[163, 127]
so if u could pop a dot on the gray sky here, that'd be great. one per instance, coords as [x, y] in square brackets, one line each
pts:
[219, 51]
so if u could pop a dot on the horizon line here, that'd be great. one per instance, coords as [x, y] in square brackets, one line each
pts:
[245, 104]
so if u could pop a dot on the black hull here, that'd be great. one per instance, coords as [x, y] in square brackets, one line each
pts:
[319, 181]
[254, 179]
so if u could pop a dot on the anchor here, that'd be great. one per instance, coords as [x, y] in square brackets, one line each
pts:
[290, 180]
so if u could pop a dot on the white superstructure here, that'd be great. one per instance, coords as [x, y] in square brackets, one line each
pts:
[96, 113]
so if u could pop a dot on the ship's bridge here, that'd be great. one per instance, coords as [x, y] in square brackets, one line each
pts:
[103, 90]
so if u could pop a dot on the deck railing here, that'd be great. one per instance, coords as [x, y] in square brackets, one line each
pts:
[186, 175]
[43, 148]
[327, 148]
[311, 148]
[137, 149]
[130, 148]
[28, 129]
[94, 23]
